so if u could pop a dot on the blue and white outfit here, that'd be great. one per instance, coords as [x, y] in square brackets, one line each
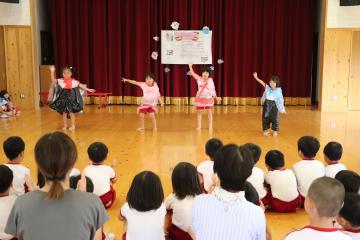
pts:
[273, 103]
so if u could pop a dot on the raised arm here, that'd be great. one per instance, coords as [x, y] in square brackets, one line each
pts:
[258, 79]
[83, 87]
[130, 81]
[193, 74]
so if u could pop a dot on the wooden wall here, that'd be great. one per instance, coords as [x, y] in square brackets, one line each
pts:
[2, 60]
[19, 65]
[354, 78]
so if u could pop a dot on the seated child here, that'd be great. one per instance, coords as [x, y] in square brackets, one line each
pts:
[257, 177]
[102, 176]
[6, 106]
[144, 211]
[283, 195]
[205, 168]
[350, 180]
[332, 155]
[6, 201]
[308, 169]
[322, 204]
[349, 216]
[14, 150]
[74, 180]
[186, 186]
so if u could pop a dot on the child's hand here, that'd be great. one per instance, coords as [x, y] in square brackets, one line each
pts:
[124, 79]
[255, 75]
[218, 99]
[91, 90]
[52, 69]
[190, 64]
[284, 112]
[162, 104]
[81, 186]
[114, 163]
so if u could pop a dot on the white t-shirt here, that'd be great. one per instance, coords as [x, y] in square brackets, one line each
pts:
[20, 172]
[332, 169]
[206, 168]
[313, 233]
[144, 225]
[283, 184]
[101, 176]
[355, 234]
[6, 204]
[74, 172]
[306, 171]
[181, 210]
[257, 179]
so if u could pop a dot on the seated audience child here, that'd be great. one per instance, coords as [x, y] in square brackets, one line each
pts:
[257, 177]
[186, 186]
[350, 180]
[144, 212]
[7, 108]
[6, 201]
[332, 155]
[322, 204]
[205, 168]
[283, 195]
[74, 183]
[14, 150]
[349, 216]
[308, 169]
[102, 176]
[225, 213]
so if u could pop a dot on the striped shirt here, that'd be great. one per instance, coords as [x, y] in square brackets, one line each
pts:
[214, 219]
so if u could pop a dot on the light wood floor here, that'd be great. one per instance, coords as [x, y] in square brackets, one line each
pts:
[177, 141]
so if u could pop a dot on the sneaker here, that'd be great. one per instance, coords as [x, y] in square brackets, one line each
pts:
[266, 133]
[109, 236]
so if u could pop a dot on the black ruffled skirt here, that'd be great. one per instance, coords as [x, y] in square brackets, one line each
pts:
[67, 101]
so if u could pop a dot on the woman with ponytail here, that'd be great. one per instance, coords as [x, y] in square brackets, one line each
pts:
[56, 212]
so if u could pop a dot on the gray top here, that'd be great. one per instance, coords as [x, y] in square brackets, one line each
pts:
[77, 215]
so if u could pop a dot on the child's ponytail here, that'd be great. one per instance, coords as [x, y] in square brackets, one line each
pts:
[56, 190]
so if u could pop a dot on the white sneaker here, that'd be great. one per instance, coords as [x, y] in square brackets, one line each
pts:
[110, 236]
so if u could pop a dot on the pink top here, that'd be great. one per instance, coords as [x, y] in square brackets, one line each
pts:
[204, 93]
[150, 97]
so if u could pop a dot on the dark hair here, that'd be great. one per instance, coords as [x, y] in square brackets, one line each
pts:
[212, 146]
[6, 178]
[3, 93]
[55, 155]
[40, 179]
[185, 180]
[351, 209]
[97, 152]
[309, 146]
[150, 74]
[74, 182]
[255, 150]
[68, 68]
[251, 194]
[274, 159]
[207, 69]
[233, 165]
[350, 180]
[333, 151]
[13, 146]
[146, 192]
[276, 80]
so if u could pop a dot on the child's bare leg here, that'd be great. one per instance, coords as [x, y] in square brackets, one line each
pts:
[210, 117]
[142, 116]
[199, 117]
[72, 118]
[153, 119]
[64, 120]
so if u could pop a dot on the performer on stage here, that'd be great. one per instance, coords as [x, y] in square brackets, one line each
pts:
[65, 96]
[151, 96]
[273, 103]
[205, 95]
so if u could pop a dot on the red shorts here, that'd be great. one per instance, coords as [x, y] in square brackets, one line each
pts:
[265, 201]
[203, 108]
[124, 237]
[108, 198]
[146, 110]
[284, 207]
[176, 233]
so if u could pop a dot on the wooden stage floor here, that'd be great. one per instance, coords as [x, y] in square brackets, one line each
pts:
[177, 140]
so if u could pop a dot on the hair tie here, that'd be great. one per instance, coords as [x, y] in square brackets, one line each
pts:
[54, 178]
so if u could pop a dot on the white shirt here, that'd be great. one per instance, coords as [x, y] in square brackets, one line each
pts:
[312, 233]
[206, 169]
[101, 176]
[355, 234]
[257, 179]
[6, 204]
[213, 219]
[144, 225]
[74, 172]
[332, 169]
[283, 184]
[20, 172]
[306, 171]
[181, 216]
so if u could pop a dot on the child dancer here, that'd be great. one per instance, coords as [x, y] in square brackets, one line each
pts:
[151, 96]
[205, 95]
[273, 103]
[67, 97]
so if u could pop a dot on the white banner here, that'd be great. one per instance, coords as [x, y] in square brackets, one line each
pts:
[184, 47]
